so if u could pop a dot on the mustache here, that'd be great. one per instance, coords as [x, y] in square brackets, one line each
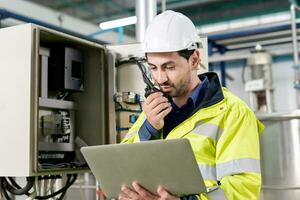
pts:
[166, 84]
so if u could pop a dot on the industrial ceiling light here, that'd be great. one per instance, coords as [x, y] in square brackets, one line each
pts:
[118, 23]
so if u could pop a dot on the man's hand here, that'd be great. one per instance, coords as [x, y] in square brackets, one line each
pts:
[156, 107]
[140, 193]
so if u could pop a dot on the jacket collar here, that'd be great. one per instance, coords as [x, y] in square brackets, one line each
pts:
[212, 105]
[213, 93]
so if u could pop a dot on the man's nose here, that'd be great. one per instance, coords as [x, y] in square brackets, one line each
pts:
[162, 77]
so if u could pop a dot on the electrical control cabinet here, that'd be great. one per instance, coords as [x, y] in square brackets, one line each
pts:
[55, 96]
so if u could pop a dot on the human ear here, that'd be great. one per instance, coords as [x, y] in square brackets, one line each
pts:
[195, 59]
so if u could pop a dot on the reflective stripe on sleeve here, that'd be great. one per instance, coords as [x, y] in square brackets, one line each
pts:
[209, 130]
[208, 172]
[129, 135]
[218, 194]
[237, 166]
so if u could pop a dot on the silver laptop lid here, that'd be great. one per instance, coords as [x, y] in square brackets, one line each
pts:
[170, 163]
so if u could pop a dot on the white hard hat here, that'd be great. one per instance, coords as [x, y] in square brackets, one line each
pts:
[170, 31]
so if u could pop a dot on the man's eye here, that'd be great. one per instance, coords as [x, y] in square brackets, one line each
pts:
[170, 67]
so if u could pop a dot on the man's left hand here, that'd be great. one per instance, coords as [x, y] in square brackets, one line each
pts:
[140, 193]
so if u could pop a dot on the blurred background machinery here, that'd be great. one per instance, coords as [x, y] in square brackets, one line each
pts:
[260, 86]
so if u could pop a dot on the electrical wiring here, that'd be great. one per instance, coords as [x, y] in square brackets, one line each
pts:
[17, 190]
[14, 183]
[63, 190]
[60, 165]
[62, 95]
[120, 108]
[4, 192]
[139, 62]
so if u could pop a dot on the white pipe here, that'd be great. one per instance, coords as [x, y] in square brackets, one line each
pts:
[294, 34]
[151, 10]
[163, 5]
[295, 51]
[145, 11]
[140, 12]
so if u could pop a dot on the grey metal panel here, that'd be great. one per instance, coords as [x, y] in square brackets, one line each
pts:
[48, 146]
[57, 104]
[15, 100]
[110, 89]
[90, 126]
[280, 156]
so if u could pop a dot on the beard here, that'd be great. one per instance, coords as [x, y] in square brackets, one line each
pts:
[177, 90]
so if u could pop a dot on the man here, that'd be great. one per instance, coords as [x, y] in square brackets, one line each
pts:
[223, 131]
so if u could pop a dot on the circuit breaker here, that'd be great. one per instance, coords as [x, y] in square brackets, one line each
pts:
[55, 96]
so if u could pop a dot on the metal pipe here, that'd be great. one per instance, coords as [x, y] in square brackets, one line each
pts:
[140, 11]
[294, 35]
[223, 73]
[222, 51]
[252, 99]
[120, 35]
[281, 187]
[295, 51]
[247, 32]
[163, 5]
[151, 8]
[145, 11]
[269, 100]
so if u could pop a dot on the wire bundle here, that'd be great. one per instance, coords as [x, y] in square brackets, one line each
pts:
[11, 186]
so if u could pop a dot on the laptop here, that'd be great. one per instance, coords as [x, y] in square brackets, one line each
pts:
[170, 163]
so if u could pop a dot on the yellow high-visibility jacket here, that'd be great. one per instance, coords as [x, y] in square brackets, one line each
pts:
[224, 134]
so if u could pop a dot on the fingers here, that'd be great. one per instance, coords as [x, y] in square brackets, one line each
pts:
[154, 100]
[159, 108]
[165, 195]
[123, 196]
[153, 96]
[145, 194]
[163, 113]
[156, 107]
[137, 193]
[127, 192]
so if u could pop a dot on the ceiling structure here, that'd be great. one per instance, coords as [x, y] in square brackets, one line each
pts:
[201, 12]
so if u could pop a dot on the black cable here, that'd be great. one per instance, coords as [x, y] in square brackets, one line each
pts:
[62, 190]
[18, 191]
[12, 180]
[21, 191]
[3, 189]
[119, 105]
[62, 195]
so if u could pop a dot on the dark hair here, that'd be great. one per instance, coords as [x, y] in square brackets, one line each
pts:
[183, 53]
[186, 53]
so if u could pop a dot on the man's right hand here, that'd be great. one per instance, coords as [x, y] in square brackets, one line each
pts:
[156, 107]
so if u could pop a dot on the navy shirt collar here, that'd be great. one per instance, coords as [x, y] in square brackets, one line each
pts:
[199, 89]
[196, 93]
